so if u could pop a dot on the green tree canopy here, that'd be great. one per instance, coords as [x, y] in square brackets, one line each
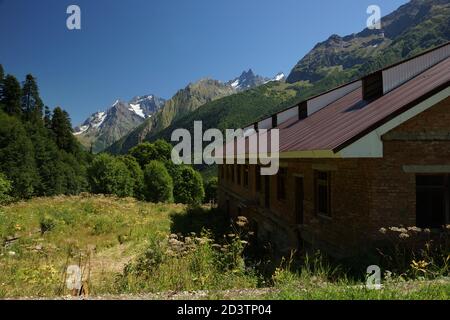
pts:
[137, 175]
[109, 175]
[2, 77]
[211, 190]
[146, 152]
[32, 105]
[189, 186]
[5, 189]
[12, 94]
[17, 157]
[62, 131]
[158, 183]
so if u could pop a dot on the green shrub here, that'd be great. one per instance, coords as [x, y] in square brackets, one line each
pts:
[136, 174]
[5, 189]
[188, 187]
[146, 152]
[109, 175]
[158, 183]
[47, 223]
[211, 190]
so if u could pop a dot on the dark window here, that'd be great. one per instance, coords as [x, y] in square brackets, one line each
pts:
[222, 172]
[299, 199]
[246, 176]
[322, 193]
[239, 174]
[432, 200]
[281, 183]
[258, 178]
[267, 191]
[232, 172]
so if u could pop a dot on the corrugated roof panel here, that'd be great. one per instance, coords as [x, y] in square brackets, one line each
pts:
[319, 102]
[347, 117]
[399, 74]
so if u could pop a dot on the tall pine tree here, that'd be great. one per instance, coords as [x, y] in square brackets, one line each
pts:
[62, 131]
[11, 96]
[32, 105]
[47, 117]
[2, 77]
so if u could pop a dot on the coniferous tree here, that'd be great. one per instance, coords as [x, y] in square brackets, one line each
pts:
[2, 77]
[47, 117]
[11, 96]
[17, 157]
[62, 131]
[32, 105]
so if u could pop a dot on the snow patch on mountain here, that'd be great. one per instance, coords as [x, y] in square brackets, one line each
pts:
[136, 108]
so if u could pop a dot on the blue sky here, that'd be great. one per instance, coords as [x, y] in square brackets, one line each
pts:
[136, 47]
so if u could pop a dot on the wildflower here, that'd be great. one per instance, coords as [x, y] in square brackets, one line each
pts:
[382, 230]
[241, 221]
[420, 265]
[415, 229]
[426, 230]
[403, 235]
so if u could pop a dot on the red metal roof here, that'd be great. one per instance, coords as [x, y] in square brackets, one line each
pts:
[350, 117]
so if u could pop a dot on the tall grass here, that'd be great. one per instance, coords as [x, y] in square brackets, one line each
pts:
[135, 247]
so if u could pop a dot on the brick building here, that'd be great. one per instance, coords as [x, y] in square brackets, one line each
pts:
[370, 154]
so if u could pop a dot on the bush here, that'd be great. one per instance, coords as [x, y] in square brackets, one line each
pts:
[146, 152]
[109, 175]
[136, 174]
[211, 190]
[158, 184]
[5, 189]
[47, 223]
[189, 187]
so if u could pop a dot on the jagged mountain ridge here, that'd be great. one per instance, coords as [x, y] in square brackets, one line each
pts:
[187, 100]
[103, 128]
[406, 31]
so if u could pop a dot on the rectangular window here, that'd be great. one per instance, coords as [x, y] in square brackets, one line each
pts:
[239, 174]
[432, 200]
[281, 184]
[322, 193]
[299, 199]
[267, 191]
[258, 178]
[246, 176]
[231, 167]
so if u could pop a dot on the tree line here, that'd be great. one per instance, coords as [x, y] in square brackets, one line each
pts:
[39, 156]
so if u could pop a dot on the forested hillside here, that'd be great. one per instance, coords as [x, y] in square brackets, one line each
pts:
[38, 153]
[39, 156]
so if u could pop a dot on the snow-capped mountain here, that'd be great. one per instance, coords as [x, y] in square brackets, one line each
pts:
[280, 76]
[103, 128]
[146, 106]
[248, 80]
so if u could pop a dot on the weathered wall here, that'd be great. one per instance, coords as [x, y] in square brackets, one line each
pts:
[366, 194]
